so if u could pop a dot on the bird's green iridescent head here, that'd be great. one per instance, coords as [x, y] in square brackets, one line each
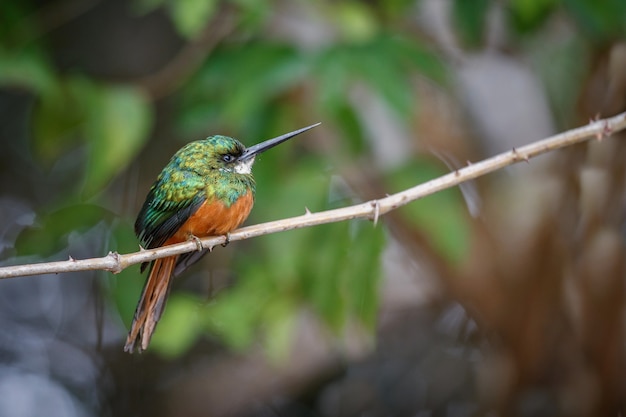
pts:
[221, 154]
[215, 154]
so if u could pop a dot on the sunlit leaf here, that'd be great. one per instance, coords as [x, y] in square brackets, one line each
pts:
[179, 327]
[234, 315]
[355, 20]
[191, 16]
[118, 124]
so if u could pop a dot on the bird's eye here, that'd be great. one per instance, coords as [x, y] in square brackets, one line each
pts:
[228, 158]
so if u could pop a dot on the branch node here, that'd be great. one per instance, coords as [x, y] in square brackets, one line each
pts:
[226, 240]
[117, 267]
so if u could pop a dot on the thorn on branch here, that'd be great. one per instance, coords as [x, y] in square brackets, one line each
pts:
[376, 205]
[606, 131]
[519, 157]
[71, 259]
[307, 212]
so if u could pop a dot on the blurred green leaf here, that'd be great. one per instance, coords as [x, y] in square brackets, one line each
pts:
[563, 68]
[363, 271]
[254, 14]
[398, 8]
[527, 15]
[118, 124]
[322, 281]
[603, 20]
[191, 16]
[442, 217]
[50, 232]
[15, 25]
[385, 63]
[234, 314]
[179, 328]
[416, 57]
[347, 120]
[469, 20]
[341, 67]
[238, 83]
[27, 69]
[340, 274]
[279, 319]
[335, 268]
[355, 20]
[59, 119]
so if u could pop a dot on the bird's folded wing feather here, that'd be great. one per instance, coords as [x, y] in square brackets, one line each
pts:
[164, 211]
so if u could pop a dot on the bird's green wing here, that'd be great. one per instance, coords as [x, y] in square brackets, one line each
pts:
[171, 201]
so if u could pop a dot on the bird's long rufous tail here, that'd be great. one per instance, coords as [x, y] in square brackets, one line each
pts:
[151, 304]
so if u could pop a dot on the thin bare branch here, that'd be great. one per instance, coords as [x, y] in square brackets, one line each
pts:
[115, 262]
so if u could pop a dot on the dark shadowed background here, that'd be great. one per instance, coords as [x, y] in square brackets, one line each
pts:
[504, 297]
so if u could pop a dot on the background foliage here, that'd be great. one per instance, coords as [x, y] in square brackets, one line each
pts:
[96, 95]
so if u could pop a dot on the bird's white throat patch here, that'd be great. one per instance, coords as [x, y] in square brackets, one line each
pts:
[244, 167]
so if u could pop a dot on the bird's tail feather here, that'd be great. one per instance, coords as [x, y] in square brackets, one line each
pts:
[151, 304]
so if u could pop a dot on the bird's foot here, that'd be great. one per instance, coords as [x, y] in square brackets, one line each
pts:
[227, 241]
[197, 241]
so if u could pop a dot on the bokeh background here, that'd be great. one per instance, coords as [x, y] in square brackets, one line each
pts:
[504, 297]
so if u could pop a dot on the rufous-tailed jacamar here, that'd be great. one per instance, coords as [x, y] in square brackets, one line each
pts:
[206, 189]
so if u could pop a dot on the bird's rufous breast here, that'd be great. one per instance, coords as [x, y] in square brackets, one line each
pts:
[214, 218]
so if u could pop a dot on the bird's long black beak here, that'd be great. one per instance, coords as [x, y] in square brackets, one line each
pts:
[263, 146]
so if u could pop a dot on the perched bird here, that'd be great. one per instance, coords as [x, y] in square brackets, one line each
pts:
[206, 189]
